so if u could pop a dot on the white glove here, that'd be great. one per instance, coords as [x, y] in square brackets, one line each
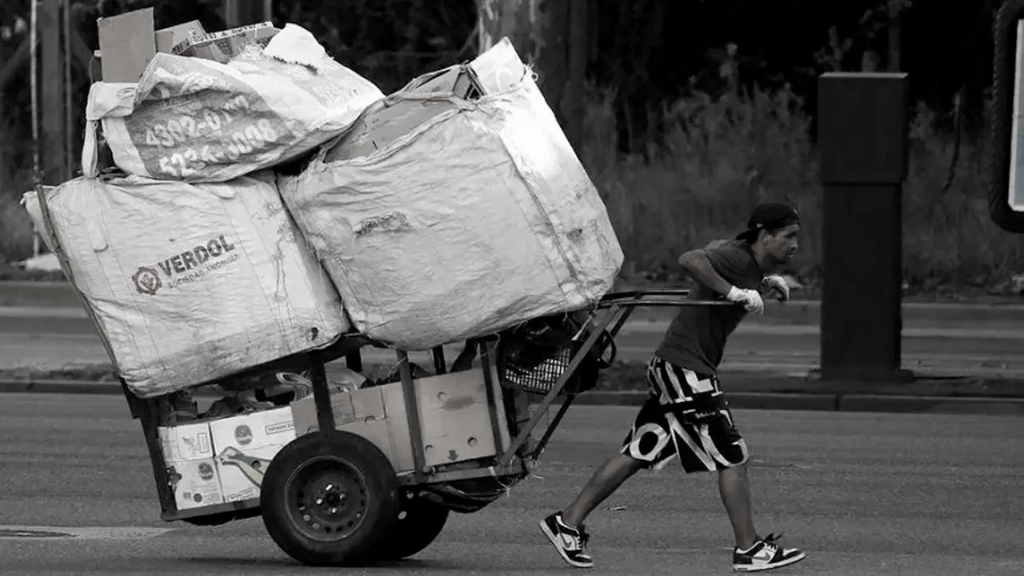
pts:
[778, 284]
[750, 299]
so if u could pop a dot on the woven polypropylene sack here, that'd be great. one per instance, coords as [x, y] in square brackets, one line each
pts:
[189, 283]
[477, 219]
[198, 120]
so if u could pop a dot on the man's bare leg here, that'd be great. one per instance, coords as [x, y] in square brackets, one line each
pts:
[605, 481]
[734, 487]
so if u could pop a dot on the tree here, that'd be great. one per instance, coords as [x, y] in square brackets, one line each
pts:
[550, 36]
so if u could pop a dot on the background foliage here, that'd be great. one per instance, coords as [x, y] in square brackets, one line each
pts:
[695, 109]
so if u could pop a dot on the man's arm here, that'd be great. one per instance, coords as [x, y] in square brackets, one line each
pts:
[698, 266]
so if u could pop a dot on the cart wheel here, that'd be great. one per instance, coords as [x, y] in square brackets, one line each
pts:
[419, 524]
[329, 499]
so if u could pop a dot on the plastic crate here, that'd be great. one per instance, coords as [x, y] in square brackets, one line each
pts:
[534, 366]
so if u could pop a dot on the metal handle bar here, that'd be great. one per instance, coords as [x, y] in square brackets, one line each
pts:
[665, 297]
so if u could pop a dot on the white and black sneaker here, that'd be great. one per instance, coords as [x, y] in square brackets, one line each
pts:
[570, 542]
[765, 554]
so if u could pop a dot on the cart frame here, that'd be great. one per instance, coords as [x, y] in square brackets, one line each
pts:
[617, 308]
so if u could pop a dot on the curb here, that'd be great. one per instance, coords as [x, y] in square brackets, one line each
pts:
[822, 402]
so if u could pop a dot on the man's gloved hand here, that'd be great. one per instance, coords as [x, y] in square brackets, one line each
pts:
[750, 299]
[778, 284]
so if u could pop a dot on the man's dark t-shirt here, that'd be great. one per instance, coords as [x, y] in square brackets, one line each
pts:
[696, 338]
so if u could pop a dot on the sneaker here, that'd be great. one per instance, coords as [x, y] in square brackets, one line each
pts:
[571, 543]
[765, 554]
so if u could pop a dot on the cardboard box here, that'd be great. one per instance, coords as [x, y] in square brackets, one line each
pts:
[225, 45]
[385, 121]
[127, 44]
[241, 472]
[129, 41]
[168, 38]
[186, 442]
[360, 406]
[195, 484]
[455, 421]
[189, 458]
[245, 445]
[459, 80]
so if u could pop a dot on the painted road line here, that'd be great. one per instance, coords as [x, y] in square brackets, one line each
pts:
[80, 532]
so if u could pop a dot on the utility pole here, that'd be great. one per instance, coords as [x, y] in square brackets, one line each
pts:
[52, 105]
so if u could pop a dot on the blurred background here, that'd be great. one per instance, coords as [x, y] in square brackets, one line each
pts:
[686, 112]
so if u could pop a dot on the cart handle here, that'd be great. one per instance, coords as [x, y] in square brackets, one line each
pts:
[666, 297]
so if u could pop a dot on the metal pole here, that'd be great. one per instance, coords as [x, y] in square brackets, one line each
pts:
[68, 102]
[412, 412]
[34, 87]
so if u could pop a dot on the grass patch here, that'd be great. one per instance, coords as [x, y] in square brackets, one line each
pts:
[723, 155]
[15, 225]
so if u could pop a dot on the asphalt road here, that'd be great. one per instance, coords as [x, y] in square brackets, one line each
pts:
[36, 339]
[864, 494]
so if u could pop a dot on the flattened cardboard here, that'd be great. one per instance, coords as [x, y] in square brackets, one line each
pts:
[456, 423]
[499, 68]
[225, 45]
[127, 44]
[364, 405]
[453, 415]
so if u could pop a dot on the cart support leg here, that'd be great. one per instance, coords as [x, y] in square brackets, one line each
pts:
[549, 398]
[412, 411]
[321, 393]
[440, 366]
[486, 362]
[354, 360]
[149, 417]
[624, 314]
[553, 426]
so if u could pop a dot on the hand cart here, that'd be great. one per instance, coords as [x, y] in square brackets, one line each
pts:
[332, 496]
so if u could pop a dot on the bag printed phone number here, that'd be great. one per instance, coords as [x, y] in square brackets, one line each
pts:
[202, 121]
[188, 146]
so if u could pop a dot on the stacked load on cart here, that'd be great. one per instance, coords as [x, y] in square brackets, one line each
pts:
[451, 209]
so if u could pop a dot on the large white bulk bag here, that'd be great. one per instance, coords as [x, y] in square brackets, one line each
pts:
[198, 120]
[478, 218]
[190, 283]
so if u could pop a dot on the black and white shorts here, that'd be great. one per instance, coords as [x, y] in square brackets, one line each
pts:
[685, 416]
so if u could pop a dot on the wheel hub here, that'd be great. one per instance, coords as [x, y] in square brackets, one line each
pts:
[328, 502]
[331, 499]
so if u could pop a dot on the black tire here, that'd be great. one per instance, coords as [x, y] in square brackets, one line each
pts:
[420, 522]
[330, 499]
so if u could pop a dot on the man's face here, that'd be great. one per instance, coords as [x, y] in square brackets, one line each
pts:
[781, 245]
